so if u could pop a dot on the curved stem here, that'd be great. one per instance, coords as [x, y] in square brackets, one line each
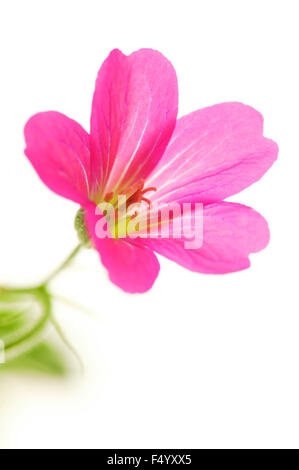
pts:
[41, 291]
[66, 341]
[72, 304]
[64, 264]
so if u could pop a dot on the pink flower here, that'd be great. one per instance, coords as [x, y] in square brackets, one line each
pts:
[136, 142]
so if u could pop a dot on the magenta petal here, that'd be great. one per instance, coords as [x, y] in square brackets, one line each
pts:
[213, 153]
[133, 115]
[132, 268]
[230, 233]
[58, 149]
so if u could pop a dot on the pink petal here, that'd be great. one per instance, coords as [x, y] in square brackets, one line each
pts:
[213, 153]
[133, 116]
[132, 268]
[58, 149]
[230, 233]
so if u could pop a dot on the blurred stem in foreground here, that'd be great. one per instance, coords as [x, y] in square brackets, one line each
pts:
[25, 314]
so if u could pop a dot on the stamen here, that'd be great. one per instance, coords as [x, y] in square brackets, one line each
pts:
[133, 195]
[108, 197]
[134, 215]
[145, 199]
[152, 188]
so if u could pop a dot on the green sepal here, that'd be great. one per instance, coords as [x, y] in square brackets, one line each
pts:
[81, 228]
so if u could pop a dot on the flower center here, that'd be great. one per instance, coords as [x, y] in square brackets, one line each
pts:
[134, 195]
[124, 203]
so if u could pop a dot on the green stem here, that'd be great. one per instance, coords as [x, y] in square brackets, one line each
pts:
[72, 304]
[64, 264]
[45, 297]
[66, 341]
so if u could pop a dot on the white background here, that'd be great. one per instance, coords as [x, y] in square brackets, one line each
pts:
[199, 361]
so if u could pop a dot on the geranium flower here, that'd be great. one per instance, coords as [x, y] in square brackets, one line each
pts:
[135, 144]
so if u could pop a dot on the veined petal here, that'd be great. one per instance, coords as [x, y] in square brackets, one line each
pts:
[133, 116]
[58, 149]
[230, 233]
[213, 153]
[131, 267]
